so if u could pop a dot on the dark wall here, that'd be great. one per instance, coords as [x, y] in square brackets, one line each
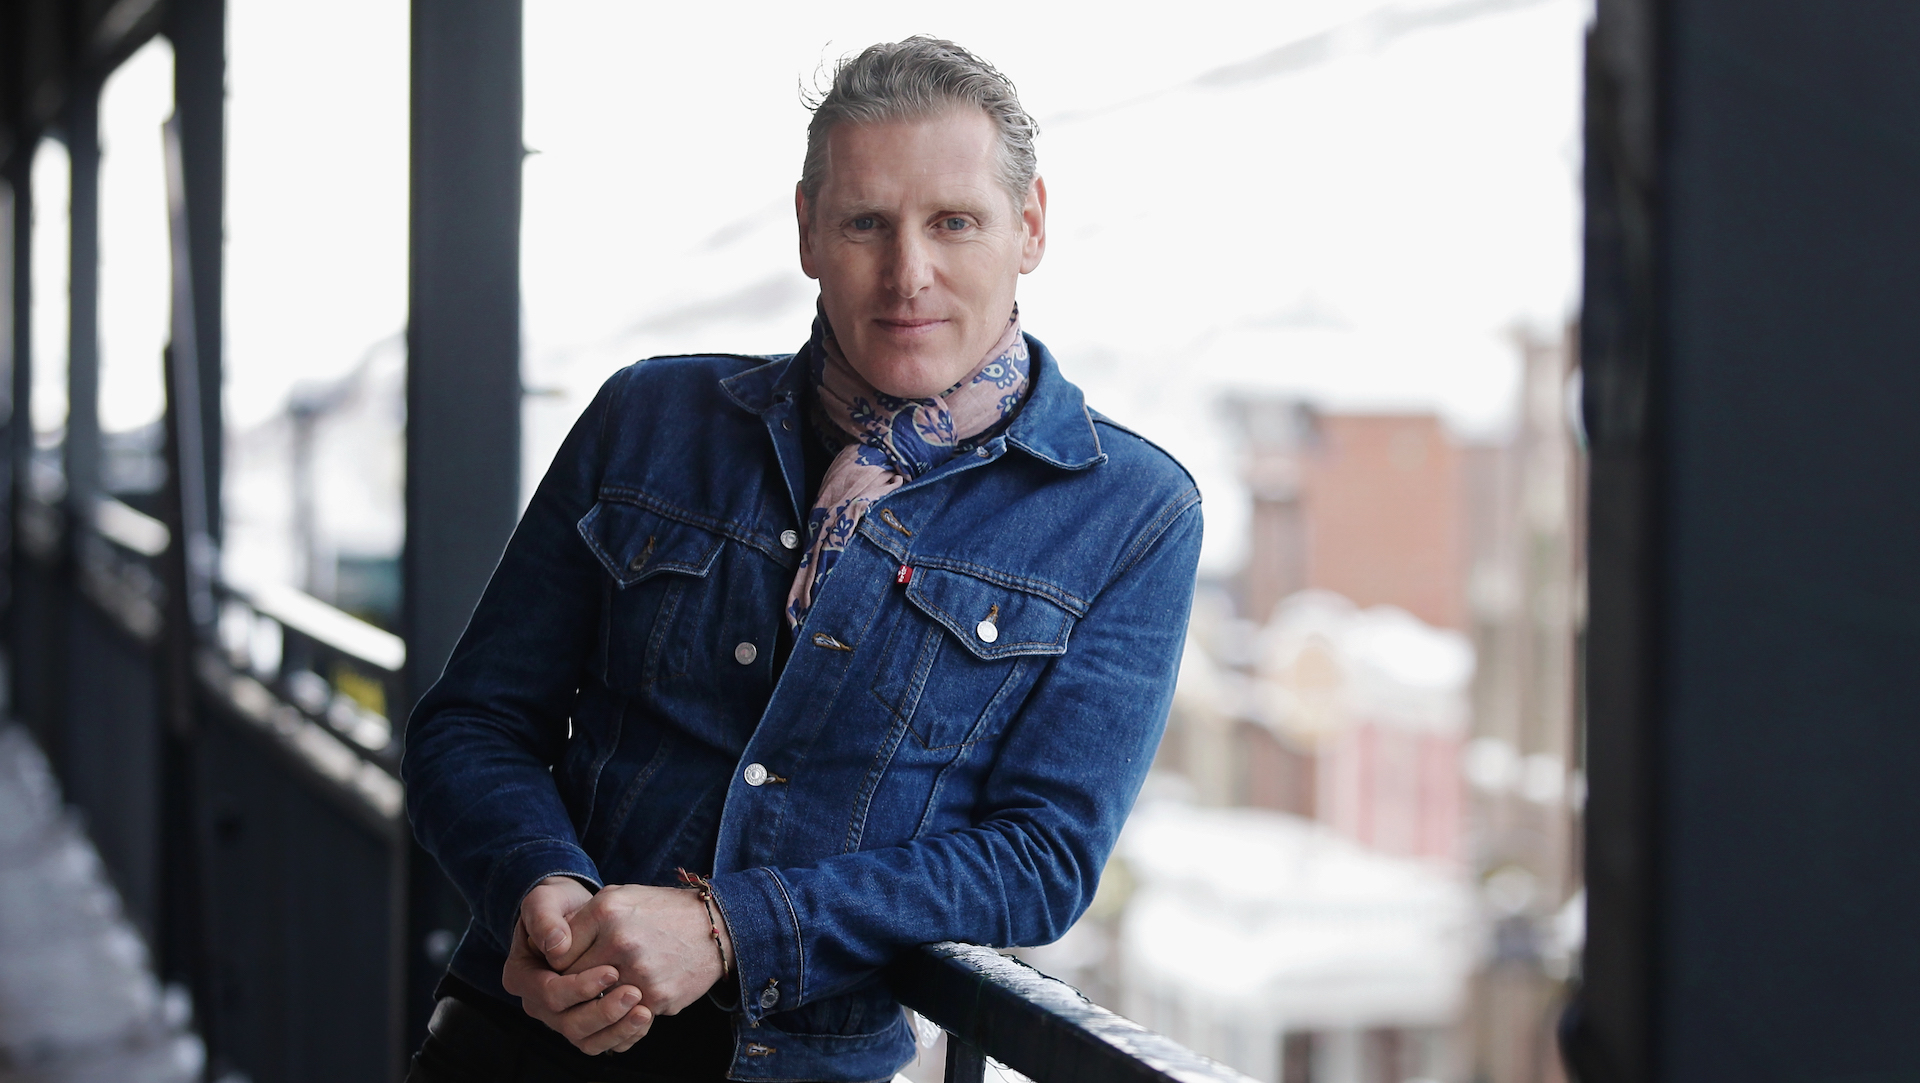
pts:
[1793, 703]
[302, 921]
[1752, 313]
[110, 756]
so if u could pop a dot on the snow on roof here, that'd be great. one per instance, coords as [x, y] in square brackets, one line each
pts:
[1266, 916]
[1322, 661]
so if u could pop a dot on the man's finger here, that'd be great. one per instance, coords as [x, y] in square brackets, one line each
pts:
[556, 993]
[586, 1020]
[524, 970]
[622, 1035]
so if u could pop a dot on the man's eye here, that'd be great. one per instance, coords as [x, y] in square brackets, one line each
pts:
[865, 221]
[954, 224]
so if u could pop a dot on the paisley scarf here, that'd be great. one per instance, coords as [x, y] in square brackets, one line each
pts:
[886, 442]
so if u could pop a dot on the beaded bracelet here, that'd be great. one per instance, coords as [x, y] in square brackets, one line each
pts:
[705, 887]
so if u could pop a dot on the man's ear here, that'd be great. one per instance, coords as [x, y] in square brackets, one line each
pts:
[806, 233]
[1034, 215]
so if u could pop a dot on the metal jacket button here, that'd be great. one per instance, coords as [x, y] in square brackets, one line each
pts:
[756, 774]
[790, 539]
[769, 996]
[987, 631]
[745, 653]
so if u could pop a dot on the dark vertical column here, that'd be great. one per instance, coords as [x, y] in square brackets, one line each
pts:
[81, 452]
[1754, 256]
[463, 361]
[19, 431]
[89, 779]
[1610, 1032]
[196, 207]
[198, 31]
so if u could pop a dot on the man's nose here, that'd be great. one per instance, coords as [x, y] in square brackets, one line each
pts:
[911, 268]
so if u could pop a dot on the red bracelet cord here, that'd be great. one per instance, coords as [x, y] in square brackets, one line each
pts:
[705, 887]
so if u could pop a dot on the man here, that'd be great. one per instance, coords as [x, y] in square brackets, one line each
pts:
[792, 665]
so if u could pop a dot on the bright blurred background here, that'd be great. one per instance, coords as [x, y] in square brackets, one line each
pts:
[1323, 251]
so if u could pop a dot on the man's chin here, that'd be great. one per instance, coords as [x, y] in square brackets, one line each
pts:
[911, 376]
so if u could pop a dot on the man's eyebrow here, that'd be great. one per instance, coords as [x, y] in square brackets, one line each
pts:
[982, 209]
[981, 206]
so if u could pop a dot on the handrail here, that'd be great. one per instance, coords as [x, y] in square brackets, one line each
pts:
[321, 622]
[997, 1006]
[130, 528]
[293, 692]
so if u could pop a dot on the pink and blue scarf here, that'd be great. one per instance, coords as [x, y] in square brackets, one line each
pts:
[886, 442]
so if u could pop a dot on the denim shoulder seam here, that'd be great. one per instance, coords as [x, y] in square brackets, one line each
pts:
[1156, 529]
[1101, 419]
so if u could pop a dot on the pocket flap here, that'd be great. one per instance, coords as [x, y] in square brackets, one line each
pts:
[635, 544]
[993, 621]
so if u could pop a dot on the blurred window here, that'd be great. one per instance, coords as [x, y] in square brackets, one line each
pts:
[316, 269]
[316, 296]
[52, 176]
[135, 287]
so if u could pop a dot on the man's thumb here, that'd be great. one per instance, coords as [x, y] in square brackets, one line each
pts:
[548, 931]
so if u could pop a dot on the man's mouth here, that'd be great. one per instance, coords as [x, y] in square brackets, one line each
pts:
[909, 327]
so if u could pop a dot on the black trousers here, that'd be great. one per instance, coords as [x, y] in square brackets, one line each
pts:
[473, 1038]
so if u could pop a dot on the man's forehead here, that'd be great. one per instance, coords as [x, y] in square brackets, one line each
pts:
[956, 153]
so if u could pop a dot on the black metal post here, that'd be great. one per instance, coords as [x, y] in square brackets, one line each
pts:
[463, 366]
[19, 431]
[1753, 259]
[198, 31]
[965, 1063]
[1608, 1031]
[80, 453]
[185, 949]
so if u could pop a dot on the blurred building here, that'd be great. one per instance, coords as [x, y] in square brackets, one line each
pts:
[1368, 506]
[1524, 763]
[1354, 863]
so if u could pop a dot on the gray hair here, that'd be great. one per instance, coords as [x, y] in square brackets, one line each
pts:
[912, 80]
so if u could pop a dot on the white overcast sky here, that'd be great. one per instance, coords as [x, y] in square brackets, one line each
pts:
[1359, 221]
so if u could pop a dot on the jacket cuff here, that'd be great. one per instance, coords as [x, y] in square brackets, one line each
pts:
[769, 963]
[521, 869]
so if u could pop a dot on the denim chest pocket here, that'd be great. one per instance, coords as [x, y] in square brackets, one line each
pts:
[961, 658]
[658, 569]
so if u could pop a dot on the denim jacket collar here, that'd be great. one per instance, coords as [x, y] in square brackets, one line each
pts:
[1054, 426]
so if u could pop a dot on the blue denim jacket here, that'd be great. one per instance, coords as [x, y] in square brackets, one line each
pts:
[913, 775]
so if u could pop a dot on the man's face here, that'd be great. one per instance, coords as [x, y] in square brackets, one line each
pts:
[917, 246]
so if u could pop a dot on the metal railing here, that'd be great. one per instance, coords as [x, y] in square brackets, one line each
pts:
[996, 1006]
[273, 813]
[318, 681]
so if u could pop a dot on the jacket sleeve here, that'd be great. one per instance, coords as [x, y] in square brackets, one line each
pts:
[481, 743]
[1063, 781]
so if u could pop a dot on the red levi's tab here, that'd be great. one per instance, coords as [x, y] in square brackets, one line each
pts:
[904, 575]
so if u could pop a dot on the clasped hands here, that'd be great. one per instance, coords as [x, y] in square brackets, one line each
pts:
[599, 967]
